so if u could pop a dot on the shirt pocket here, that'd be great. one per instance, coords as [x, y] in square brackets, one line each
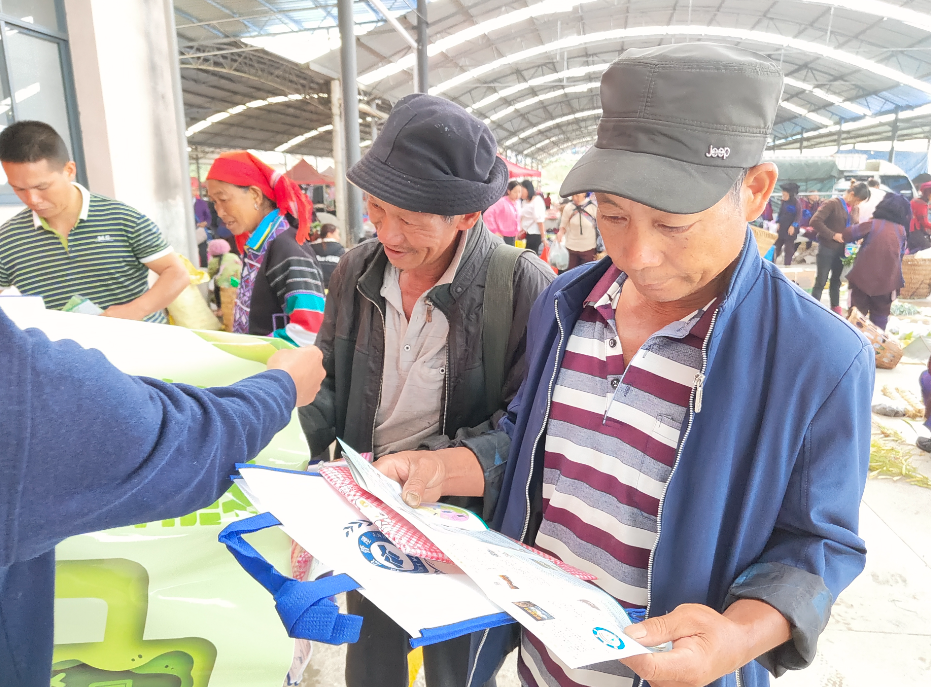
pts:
[667, 428]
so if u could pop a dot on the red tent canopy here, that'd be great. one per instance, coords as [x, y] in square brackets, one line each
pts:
[305, 174]
[515, 171]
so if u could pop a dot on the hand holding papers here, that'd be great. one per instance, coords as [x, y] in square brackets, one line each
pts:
[579, 622]
[437, 570]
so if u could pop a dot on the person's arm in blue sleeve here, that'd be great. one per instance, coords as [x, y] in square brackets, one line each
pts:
[777, 608]
[815, 552]
[85, 447]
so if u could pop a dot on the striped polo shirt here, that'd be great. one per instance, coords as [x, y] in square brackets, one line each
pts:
[103, 258]
[611, 442]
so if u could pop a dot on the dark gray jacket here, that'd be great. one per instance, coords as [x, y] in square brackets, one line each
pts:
[352, 339]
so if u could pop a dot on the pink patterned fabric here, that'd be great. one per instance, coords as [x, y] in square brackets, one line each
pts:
[401, 533]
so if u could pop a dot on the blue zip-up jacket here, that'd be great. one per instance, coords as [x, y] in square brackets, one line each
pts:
[763, 500]
[84, 447]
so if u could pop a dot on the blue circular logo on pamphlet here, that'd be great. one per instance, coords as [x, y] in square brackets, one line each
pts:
[378, 550]
[607, 637]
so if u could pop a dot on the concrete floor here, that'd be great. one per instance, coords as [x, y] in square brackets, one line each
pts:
[880, 629]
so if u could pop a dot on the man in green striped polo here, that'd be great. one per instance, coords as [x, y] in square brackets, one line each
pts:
[70, 242]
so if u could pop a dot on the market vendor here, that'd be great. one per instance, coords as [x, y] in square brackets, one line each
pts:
[281, 291]
[84, 447]
[693, 428]
[833, 217]
[877, 270]
[71, 242]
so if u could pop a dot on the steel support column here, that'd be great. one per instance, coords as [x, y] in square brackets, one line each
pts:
[348, 72]
[895, 135]
[840, 135]
[339, 160]
[422, 81]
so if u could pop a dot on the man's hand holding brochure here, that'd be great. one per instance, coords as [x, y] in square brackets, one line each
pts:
[468, 573]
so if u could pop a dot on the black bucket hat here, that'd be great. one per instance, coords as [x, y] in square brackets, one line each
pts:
[679, 125]
[434, 157]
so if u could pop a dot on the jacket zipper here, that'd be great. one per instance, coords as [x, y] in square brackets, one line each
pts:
[546, 417]
[739, 681]
[445, 391]
[694, 407]
[429, 317]
[475, 662]
[549, 399]
[381, 384]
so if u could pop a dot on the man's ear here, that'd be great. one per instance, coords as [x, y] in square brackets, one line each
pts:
[467, 221]
[757, 188]
[70, 170]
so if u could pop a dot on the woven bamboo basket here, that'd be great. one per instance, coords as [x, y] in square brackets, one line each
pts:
[917, 274]
[227, 301]
[888, 350]
[764, 240]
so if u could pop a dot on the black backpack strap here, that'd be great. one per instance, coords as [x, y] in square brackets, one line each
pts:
[497, 313]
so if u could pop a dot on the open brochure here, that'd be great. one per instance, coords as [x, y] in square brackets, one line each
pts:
[576, 620]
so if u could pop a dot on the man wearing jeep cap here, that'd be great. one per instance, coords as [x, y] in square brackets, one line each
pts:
[658, 440]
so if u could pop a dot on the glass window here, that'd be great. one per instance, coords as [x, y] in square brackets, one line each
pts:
[34, 65]
[6, 103]
[6, 118]
[39, 12]
[36, 80]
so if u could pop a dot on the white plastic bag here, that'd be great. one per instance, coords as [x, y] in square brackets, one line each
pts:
[559, 255]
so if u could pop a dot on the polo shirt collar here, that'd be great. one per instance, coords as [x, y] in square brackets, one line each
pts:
[85, 206]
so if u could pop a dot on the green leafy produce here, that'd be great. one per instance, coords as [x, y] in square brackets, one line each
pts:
[889, 461]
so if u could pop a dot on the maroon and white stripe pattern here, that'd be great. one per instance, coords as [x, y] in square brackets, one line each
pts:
[611, 443]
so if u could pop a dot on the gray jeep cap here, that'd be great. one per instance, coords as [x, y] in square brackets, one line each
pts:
[679, 123]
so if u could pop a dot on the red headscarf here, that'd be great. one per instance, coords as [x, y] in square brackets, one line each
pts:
[244, 169]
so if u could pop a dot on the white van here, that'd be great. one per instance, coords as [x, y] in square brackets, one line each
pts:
[891, 178]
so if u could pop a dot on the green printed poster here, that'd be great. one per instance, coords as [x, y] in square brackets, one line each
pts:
[163, 604]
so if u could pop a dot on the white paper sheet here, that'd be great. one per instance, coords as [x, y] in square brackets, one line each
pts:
[576, 620]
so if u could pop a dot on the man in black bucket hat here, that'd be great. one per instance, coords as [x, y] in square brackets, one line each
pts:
[694, 429]
[418, 357]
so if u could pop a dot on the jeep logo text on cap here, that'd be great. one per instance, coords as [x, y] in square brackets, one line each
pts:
[722, 153]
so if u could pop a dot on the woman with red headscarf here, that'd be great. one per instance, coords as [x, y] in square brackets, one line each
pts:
[281, 291]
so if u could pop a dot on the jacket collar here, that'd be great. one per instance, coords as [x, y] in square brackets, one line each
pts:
[478, 240]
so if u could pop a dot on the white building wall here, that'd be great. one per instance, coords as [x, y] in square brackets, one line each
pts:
[128, 88]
